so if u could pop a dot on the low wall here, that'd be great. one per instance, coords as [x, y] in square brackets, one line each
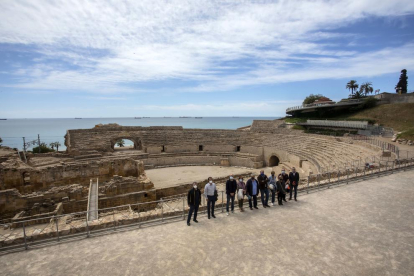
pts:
[395, 98]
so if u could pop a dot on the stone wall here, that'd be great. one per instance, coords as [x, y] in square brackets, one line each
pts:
[153, 139]
[74, 198]
[389, 98]
[28, 179]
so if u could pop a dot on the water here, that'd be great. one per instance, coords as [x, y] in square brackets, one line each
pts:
[54, 130]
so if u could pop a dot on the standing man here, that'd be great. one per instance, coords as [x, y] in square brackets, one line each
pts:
[294, 182]
[231, 187]
[252, 190]
[264, 191]
[272, 186]
[285, 178]
[209, 194]
[193, 200]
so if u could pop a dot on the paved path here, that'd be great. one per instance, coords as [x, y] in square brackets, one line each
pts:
[365, 228]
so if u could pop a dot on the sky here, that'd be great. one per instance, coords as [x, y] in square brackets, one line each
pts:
[77, 58]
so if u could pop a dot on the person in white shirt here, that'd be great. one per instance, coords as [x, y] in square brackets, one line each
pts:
[209, 191]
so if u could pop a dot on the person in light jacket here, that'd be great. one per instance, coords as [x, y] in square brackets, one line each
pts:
[209, 190]
[241, 186]
[272, 186]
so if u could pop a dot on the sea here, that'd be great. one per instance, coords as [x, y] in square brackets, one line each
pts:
[12, 131]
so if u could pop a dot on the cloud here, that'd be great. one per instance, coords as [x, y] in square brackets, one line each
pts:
[110, 47]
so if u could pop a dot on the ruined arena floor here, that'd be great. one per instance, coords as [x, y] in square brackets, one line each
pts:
[364, 228]
[171, 176]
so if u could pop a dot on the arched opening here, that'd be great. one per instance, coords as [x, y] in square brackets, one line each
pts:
[123, 144]
[273, 161]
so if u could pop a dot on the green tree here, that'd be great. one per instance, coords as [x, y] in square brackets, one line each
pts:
[52, 145]
[1, 141]
[120, 143]
[366, 88]
[311, 98]
[352, 85]
[357, 95]
[57, 145]
[43, 148]
[402, 83]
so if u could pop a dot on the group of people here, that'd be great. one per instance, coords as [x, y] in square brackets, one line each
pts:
[278, 186]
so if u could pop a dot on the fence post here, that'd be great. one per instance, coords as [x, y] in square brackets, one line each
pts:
[307, 190]
[162, 210]
[113, 216]
[184, 209]
[222, 201]
[57, 227]
[25, 238]
[347, 176]
[329, 179]
[87, 226]
[319, 179]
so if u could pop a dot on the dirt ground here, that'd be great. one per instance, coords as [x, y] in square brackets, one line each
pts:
[167, 177]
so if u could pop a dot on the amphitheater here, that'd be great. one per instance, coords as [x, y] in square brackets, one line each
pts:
[94, 185]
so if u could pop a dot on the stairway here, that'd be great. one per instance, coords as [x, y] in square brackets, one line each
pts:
[93, 201]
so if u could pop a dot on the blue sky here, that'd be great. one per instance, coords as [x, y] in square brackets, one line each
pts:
[194, 58]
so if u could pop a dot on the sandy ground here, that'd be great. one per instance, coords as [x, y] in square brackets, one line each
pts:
[365, 228]
[167, 177]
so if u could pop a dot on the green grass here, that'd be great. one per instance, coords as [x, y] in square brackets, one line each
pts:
[408, 134]
[295, 120]
[298, 127]
[398, 116]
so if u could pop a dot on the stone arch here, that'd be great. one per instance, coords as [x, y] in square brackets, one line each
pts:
[136, 141]
[274, 161]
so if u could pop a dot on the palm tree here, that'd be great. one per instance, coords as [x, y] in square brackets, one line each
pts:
[120, 143]
[52, 145]
[366, 88]
[357, 95]
[57, 145]
[352, 85]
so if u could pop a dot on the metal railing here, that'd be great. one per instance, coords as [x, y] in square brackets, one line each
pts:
[327, 179]
[341, 124]
[312, 105]
[373, 141]
[29, 233]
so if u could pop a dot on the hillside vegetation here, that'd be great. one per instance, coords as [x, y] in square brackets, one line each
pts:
[398, 116]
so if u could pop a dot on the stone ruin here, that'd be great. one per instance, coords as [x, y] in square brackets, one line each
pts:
[58, 183]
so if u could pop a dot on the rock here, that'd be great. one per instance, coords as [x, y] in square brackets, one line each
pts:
[410, 142]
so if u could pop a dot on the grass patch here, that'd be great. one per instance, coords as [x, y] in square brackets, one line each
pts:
[295, 120]
[298, 127]
[408, 134]
[398, 116]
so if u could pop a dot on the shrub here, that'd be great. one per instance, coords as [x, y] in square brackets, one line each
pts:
[43, 149]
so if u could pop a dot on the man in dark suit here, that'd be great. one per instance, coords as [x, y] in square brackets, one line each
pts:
[252, 189]
[294, 182]
[193, 200]
[231, 188]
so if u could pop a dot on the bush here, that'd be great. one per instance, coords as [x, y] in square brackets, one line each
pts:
[43, 149]
[370, 102]
[311, 98]
[298, 127]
